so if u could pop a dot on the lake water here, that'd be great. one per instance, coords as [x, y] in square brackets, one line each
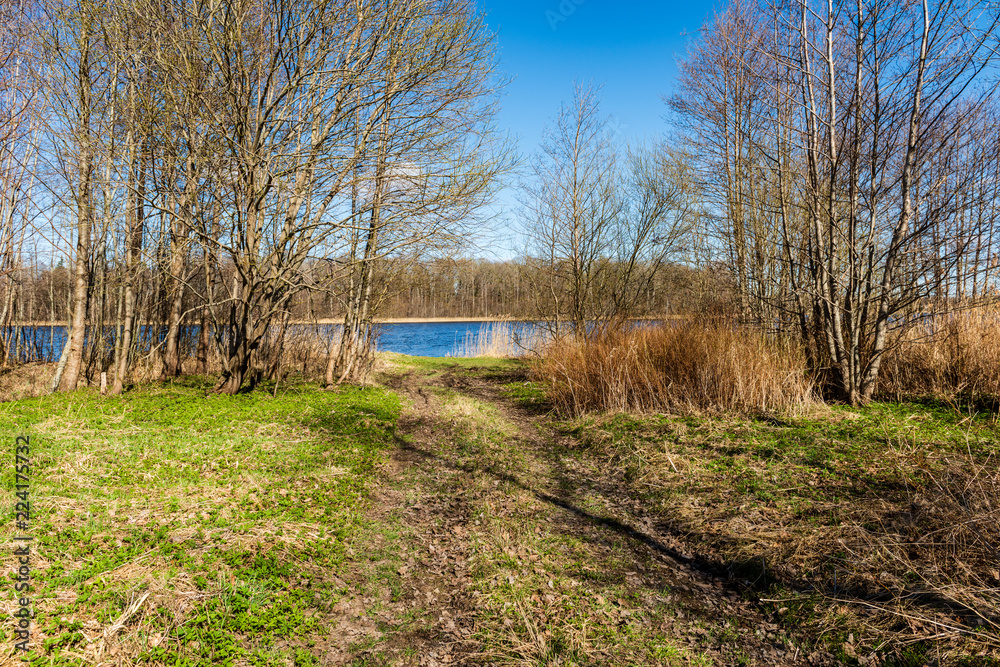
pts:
[424, 339]
[428, 339]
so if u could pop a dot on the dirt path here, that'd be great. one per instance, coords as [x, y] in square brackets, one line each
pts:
[512, 547]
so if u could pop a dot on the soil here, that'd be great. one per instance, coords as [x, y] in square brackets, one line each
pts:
[435, 501]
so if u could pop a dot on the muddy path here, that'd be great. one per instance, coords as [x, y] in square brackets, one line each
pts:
[512, 546]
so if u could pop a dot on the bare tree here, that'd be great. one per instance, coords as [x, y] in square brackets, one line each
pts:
[134, 164]
[599, 230]
[17, 128]
[858, 156]
[74, 80]
[722, 104]
[573, 209]
[433, 161]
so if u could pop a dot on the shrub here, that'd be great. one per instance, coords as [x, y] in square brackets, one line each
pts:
[949, 356]
[686, 367]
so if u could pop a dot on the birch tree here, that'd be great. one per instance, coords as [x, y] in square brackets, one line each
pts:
[861, 151]
[880, 85]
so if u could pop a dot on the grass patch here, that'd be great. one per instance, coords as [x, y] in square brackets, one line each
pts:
[437, 364]
[543, 594]
[879, 522]
[179, 528]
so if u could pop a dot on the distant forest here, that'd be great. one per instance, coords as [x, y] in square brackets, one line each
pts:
[442, 288]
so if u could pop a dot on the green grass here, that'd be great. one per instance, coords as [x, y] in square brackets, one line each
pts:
[526, 394]
[180, 528]
[436, 364]
[226, 515]
[839, 501]
[544, 594]
[830, 455]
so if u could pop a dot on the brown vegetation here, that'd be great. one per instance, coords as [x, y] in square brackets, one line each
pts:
[835, 525]
[948, 357]
[26, 381]
[689, 366]
[685, 366]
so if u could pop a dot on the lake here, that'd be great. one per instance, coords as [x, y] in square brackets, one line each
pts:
[424, 339]
[436, 339]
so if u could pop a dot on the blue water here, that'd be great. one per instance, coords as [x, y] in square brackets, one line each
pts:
[423, 339]
[427, 339]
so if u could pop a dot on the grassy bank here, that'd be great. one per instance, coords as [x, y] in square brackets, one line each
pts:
[879, 524]
[448, 516]
[174, 528]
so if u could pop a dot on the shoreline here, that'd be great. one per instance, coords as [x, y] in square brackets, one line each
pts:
[324, 321]
[421, 320]
[389, 320]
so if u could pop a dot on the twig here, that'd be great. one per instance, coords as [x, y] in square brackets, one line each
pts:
[113, 629]
[992, 641]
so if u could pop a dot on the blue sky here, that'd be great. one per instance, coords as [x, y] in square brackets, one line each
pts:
[630, 48]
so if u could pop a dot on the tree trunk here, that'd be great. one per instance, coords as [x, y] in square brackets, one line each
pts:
[172, 353]
[136, 214]
[85, 213]
[244, 339]
[81, 285]
[204, 323]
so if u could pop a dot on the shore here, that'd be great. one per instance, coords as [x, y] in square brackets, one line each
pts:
[446, 510]
[336, 320]
[390, 320]
[421, 320]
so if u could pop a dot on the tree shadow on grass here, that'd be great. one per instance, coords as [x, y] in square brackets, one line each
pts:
[758, 570]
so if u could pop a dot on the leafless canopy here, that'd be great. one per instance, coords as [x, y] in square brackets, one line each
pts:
[849, 152]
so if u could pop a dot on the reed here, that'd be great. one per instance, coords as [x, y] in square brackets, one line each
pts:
[683, 366]
[501, 340]
[954, 356]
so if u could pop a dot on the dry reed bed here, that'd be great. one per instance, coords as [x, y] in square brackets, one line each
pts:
[950, 356]
[685, 366]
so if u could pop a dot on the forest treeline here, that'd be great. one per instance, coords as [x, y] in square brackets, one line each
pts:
[442, 288]
[208, 163]
[829, 176]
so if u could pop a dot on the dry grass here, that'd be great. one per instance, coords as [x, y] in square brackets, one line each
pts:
[938, 555]
[687, 367]
[306, 350]
[956, 355]
[884, 523]
[501, 340]
[26, 381]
